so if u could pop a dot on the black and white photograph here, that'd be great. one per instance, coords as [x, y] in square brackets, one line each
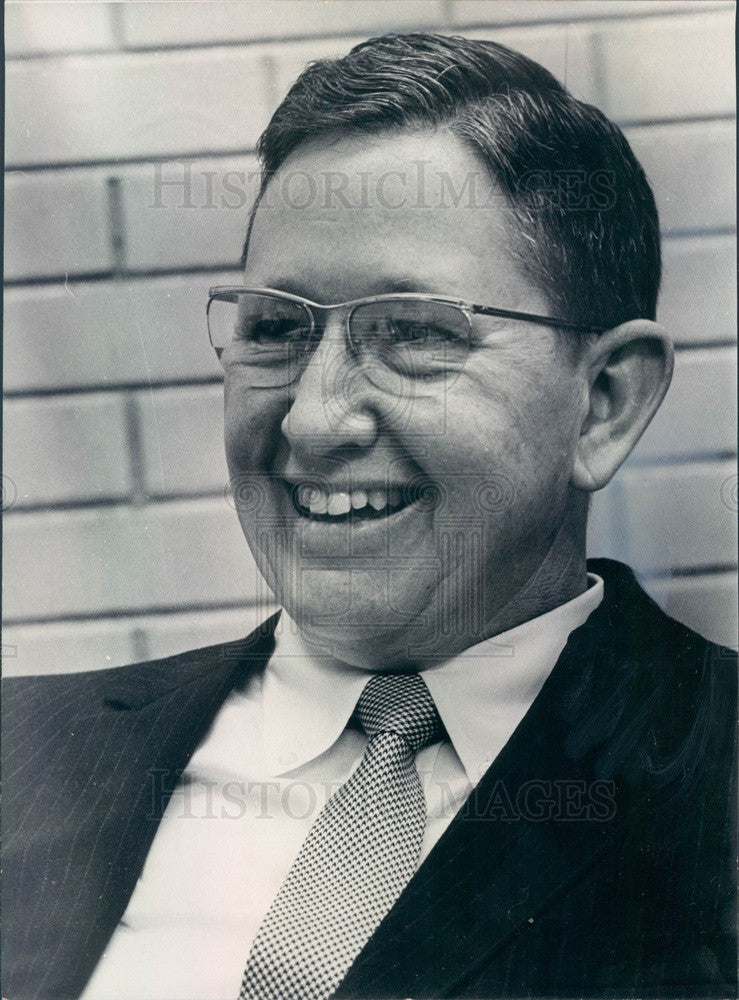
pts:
[369, 500]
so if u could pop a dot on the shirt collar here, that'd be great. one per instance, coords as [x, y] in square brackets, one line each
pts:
[503, 675]
[308, 698]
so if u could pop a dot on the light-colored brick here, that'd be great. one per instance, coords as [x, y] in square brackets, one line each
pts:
[111, 333]
[182, 441]
[166, 635]
[691, 169]
[187, 213]
[56, 223]
[706, 603]
[605, 530]
[152, 24]
[565, 50]
[66, 647]
[465, 12]
[121, 106]
[698, 298]
[668, 67]
[664, 518]
[37, 28]
[67, 448]
[70, 647]
[123, 560]
[698, 415]
[72, 563]
[197, 554]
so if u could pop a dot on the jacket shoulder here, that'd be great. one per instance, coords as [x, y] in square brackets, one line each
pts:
[672, 693]
[645, 632]
[39, 701]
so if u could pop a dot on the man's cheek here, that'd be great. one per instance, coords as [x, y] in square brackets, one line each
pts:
[250, 437]
[239, 449]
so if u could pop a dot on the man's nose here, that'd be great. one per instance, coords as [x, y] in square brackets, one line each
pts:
[331, 404]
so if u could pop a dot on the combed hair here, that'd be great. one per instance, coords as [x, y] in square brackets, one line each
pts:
[594, 251]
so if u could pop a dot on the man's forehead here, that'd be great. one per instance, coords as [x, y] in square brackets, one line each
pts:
[396, 212]
[431, 174]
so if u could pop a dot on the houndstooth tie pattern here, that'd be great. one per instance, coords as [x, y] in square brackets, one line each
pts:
[358, 856]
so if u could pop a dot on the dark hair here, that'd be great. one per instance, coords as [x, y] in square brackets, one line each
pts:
[593, 251]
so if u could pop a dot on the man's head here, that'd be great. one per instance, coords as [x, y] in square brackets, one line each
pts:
[583, 222]
[421, 164]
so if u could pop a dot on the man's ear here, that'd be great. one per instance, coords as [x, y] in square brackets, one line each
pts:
[629, 370]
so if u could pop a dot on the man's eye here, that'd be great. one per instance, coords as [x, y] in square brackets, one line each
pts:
[271, 331]
[419, 334]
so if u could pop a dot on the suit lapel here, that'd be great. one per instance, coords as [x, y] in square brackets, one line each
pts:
[140, 730]
[491, 872]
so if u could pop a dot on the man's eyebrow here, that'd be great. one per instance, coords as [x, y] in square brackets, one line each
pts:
[288, 285]
[379, 286]
[401, 285]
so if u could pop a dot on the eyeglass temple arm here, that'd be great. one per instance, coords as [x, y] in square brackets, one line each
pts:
[560, 324]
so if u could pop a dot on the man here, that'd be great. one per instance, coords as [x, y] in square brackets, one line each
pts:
[462, 764]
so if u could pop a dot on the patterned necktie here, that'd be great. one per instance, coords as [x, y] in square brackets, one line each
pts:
[358, 856]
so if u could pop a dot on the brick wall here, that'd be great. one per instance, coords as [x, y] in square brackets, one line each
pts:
[120, 541]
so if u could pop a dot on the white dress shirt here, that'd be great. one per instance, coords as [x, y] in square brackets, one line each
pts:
[276, 751]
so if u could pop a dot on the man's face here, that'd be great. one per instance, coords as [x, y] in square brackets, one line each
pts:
[492, 453]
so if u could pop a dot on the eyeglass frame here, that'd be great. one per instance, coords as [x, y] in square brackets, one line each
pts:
[467, 308]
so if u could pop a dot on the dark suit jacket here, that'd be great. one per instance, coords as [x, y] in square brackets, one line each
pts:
[593, 859]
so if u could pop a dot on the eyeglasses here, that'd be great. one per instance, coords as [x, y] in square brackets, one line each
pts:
[400, 342]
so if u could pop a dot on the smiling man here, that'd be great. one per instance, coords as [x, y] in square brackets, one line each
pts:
[460, 762]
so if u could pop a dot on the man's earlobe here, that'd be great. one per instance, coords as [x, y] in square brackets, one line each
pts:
[629, 368]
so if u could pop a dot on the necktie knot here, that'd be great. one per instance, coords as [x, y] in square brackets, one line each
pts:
[402, 704]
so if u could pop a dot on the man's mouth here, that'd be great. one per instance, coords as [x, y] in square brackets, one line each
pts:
[334, 506]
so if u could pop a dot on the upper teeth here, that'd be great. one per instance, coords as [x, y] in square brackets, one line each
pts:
[337, 502]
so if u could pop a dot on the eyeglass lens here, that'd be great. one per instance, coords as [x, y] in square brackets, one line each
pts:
[396, 341]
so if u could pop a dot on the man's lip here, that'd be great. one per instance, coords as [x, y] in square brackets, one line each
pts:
[356, 537]
[353, 536]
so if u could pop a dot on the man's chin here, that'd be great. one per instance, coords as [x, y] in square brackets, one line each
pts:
[353, 615]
